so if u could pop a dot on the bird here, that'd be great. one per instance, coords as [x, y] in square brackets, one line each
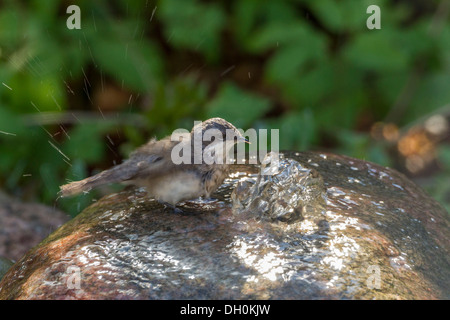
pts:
[189, 166]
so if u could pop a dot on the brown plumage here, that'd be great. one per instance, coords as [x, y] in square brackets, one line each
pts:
[151, 166]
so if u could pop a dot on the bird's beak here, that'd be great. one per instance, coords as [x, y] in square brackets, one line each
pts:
[243, 139]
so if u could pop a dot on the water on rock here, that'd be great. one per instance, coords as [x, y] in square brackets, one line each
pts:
[323, 227]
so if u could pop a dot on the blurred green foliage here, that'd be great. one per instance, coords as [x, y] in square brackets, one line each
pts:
[309, 68]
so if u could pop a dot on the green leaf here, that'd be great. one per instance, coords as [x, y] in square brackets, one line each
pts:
[275, 35]
[49, 177]
[431, 93]
[137, 64]
[9, 28]
[390, 85]
[298, 130]
[44, 93]
[311, 87]
[352, 143]
[237, 106]
[330, 13]
[193, 25]
[340, 16]
[287, 63]
[377, 51]
[299, 64]
[250, 14]
[10, 124]
[378, 153]
[87, 142]
[47, 11]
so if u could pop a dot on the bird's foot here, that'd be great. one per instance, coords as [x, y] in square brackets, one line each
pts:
[171, 206]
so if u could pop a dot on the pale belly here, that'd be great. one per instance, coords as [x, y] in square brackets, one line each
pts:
[173, 189]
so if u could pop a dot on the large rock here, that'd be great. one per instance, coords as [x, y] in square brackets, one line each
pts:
[340, 228]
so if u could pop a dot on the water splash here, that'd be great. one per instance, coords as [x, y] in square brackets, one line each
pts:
[293, 193]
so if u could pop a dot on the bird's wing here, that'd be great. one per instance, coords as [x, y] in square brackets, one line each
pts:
[152, 159]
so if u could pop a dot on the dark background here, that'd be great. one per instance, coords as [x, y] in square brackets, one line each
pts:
[73, 102]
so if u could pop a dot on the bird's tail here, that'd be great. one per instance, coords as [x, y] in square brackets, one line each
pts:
[112, 175]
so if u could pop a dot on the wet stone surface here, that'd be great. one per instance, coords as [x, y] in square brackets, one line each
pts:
[350, 230]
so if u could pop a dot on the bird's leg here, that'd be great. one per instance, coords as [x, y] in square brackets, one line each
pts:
[171, 206]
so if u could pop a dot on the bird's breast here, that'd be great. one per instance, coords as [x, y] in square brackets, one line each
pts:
[174, 187]
[214, 178]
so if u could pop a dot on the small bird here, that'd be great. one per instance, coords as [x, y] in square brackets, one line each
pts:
[156, 165]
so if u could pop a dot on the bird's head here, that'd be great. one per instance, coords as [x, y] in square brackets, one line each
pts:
[217, 134]
[216, 130]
